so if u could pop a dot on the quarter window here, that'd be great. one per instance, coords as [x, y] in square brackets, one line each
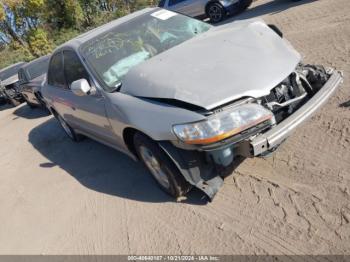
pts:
[56, 74]
[73, 68]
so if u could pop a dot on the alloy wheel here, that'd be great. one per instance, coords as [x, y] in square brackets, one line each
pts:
[154, 167]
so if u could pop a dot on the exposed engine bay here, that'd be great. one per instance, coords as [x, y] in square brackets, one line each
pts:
[295, 90]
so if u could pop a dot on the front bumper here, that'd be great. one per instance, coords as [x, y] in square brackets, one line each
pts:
[200, 165]
[274, 137]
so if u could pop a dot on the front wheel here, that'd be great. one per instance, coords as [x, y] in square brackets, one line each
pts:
[216, 12]
[161, 167]
[11, 99]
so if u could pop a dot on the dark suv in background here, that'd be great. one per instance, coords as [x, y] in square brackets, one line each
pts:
[9, 89]
[31, 78]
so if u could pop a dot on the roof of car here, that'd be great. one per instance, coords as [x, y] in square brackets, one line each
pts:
[38, 60]
[77, 41]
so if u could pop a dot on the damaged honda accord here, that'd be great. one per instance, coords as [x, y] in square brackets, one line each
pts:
[182, 96]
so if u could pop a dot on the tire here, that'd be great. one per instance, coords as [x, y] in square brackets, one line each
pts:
[216, 12]
[161, 167]
[68, 130]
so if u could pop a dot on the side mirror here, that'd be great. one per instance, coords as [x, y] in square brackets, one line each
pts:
[81, 87]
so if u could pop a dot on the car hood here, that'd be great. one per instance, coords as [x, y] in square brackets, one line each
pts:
[244, 59]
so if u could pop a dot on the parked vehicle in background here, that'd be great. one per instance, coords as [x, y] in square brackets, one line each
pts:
[150, 85]
[31, 78]
[215, 10]
[9, 89]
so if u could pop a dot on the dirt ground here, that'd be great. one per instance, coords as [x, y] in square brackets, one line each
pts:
[58, 197]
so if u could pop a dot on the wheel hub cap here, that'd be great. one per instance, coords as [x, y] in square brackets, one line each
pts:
[215, 13]
[154, 166]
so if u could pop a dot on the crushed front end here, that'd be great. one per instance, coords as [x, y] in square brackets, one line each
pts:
[12, 93]
[206, 152]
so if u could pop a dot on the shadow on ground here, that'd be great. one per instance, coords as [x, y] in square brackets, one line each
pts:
[99, 167]
[5, 106]
[25, 111]
[271, 7]
[345, 104]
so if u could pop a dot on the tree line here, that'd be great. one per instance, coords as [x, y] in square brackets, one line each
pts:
[32, 28]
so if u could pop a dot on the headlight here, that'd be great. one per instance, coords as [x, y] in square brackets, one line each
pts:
[223, 124]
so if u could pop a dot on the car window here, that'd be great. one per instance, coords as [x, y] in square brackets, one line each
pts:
[56, 74]
[114, 52]
[175, 2]
[73, 68]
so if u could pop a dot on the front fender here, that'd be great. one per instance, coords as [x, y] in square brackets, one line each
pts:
[153, 118]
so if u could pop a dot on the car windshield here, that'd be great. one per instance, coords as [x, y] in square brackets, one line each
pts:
[9, 72]
[38, 68]
[113, 53]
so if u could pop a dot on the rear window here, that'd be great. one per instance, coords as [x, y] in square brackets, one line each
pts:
[56, 75]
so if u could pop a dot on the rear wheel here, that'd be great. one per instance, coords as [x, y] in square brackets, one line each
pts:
[216, 12]
[161, 167]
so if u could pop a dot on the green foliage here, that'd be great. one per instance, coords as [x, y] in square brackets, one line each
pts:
[34, 8]
[45, 24]
[73, 14]
[13, 55]
[61, 36]
[2, 13]
[91, 12]
[39, 43]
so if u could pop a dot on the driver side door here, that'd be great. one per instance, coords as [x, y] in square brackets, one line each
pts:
[87, 112]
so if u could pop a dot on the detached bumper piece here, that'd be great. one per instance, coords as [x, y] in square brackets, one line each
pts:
[274, 137]
[193, 167]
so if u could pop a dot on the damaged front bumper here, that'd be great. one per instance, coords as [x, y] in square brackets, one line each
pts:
[271, 139]
[205, 167]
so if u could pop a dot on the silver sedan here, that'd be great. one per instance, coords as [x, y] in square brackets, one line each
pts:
[150, 85]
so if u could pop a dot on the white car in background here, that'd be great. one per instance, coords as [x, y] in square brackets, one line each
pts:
[215, 10]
